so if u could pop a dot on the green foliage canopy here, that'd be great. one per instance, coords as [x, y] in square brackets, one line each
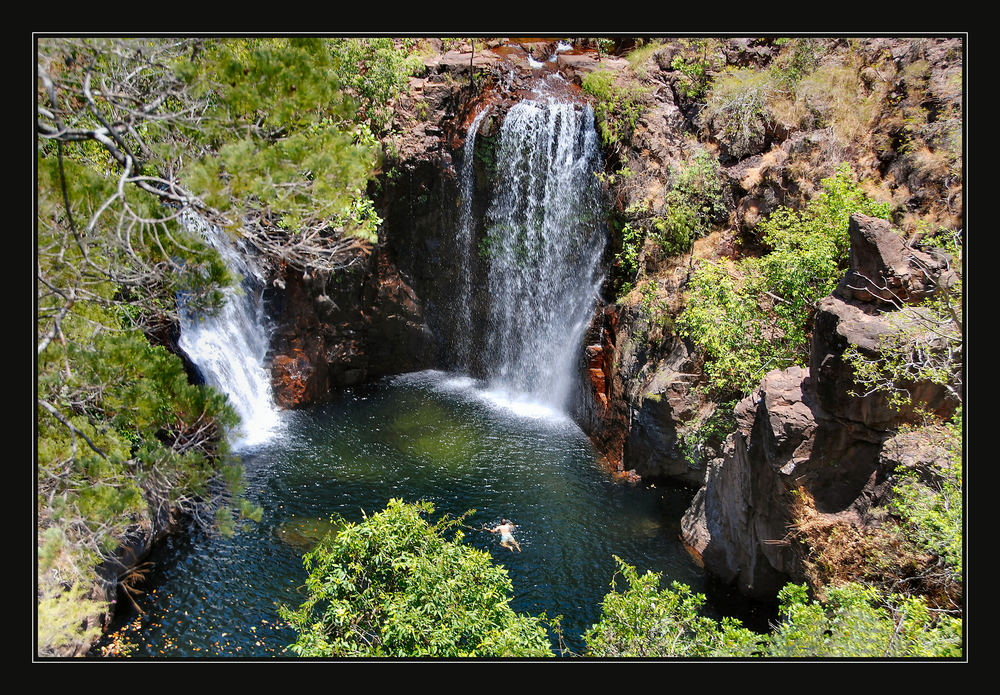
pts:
[860, 622]
[645, 621]
[853, 621]
[395, 585]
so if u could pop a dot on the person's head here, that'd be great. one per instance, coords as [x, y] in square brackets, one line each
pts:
[505, 521]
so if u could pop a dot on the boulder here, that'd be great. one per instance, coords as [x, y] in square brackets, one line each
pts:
[883, 269]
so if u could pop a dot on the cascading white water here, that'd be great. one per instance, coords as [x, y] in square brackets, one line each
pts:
[463, 238]
[230, 347]
[544, 240]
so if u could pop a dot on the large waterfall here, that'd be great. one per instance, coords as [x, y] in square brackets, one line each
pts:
[464, 234]
[230, 347]
[543, 242]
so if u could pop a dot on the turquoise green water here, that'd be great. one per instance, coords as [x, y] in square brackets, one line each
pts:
[420, 436]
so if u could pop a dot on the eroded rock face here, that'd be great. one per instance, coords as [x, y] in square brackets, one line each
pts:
[733, 522]
[802, 432]
[341, 329]
[598, 406]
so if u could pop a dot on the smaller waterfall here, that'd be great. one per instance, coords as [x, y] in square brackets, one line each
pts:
[230, 348]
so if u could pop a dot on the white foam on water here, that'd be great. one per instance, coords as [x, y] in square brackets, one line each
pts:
[522, 405]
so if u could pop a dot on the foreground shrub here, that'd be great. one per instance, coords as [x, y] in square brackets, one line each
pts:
[853, 621]
[393, 585]
[859, 621]
[645, 621]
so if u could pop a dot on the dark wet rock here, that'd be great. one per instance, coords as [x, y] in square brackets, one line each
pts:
[343, 328]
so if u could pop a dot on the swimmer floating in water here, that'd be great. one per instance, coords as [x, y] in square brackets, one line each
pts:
[506, 531]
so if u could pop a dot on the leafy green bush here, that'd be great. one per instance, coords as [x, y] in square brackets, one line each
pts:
[796, 61]
[692, 204]
[854, 621]
[627, 260]
[376, 71]
[930, 502]
[860, 622]
[394, 585]
[694, 63]
[618, 105]
[712, 430]
[754, 315]
[645, 621]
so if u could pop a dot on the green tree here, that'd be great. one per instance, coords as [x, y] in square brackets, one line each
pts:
[645, 621]
[395, 585]
[137, 138]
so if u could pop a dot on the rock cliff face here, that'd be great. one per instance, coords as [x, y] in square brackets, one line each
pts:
[653, 371]
[802, 435]
[342, 329]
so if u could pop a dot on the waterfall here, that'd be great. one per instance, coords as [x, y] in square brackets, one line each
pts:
[230, 347]
[463, 239]
[543, 241]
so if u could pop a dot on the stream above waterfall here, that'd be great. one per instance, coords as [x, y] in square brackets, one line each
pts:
[422, 436]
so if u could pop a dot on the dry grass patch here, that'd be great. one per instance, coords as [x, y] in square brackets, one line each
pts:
[835, 552]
